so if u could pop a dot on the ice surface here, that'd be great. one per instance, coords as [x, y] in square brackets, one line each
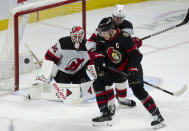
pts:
[165, 58]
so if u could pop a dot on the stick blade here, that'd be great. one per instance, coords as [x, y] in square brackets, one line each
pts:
[181, 91]
[186, 18]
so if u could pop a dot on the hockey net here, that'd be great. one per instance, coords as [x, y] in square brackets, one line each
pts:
[39, 25]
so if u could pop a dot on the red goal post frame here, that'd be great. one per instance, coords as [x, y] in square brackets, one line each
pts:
[16, 30]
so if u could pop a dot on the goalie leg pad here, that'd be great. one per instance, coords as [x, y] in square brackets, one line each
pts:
[87, 90]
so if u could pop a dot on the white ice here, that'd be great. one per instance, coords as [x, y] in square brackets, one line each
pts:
[165, 57]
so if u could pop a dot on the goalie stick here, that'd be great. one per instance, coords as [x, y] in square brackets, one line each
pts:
[170, 28]
[176, 94]
[35, 57]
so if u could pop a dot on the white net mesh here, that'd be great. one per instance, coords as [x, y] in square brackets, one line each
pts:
[7, 59]
[40, 30]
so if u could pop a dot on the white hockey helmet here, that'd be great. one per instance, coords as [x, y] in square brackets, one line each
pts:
[119, 11]
[77, 35]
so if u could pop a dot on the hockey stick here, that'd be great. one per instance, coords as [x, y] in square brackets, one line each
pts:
[35, 57]
[177, 93]
[170, 28]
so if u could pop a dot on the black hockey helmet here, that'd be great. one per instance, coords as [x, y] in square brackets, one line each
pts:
[106, 24]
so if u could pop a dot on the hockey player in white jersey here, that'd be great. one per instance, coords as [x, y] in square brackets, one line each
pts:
[71, 57]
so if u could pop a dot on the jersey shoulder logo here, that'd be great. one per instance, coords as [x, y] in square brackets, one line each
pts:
[75, 64]
[125, 34]
[114, 55]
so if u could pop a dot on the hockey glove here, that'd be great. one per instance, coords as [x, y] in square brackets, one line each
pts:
[137, 41]
[96, 60]
[133, 71]
[92, 71]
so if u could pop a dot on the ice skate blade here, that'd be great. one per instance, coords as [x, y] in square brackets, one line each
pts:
[104, 123]
[126, 106]
[158, 126]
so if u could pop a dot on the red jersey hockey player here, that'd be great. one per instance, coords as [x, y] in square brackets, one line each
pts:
[118, 16]
[119, 51]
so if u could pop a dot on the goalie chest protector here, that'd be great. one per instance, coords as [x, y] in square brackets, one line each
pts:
[72, 59]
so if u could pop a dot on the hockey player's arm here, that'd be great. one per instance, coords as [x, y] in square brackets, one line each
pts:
[96, 60]
[91, 42]
[97, 53]
[134, 54]
[99, 59]
[91, 47]
[54, 53]
[127, 27]
[94, 51]
[134, 59]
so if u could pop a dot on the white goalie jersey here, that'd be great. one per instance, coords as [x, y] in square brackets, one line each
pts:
[67, 58]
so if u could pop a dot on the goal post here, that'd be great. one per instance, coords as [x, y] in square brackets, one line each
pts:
[36, 12]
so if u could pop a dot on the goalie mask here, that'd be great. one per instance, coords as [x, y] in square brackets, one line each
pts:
[77, 35]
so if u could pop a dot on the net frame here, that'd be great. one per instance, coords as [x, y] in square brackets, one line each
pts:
[34, 8]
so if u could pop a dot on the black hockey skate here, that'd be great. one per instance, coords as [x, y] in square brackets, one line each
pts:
[112, 109]
[158, 121]
[104, 120]
[127, 102]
